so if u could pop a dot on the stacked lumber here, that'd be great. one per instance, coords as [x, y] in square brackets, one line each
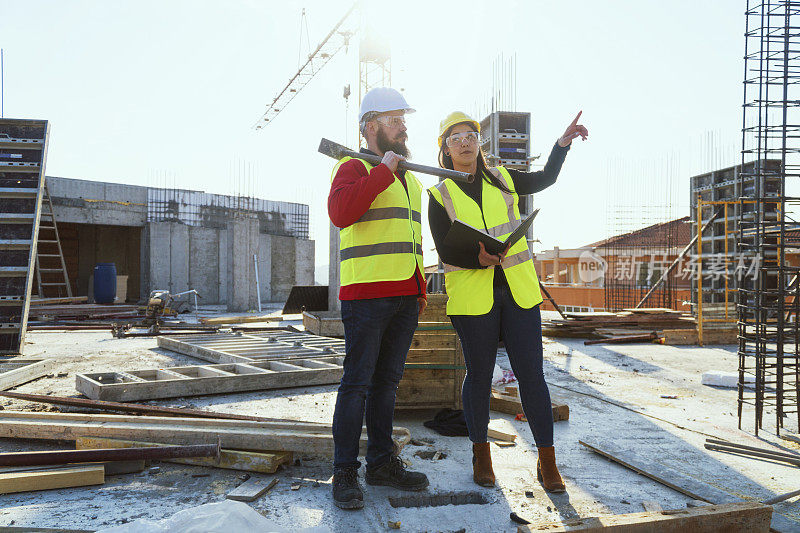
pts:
[284, 435]
[626, 322]
[434, 369]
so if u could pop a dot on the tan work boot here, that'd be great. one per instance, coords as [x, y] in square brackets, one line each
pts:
[547, 471]
[482, 471]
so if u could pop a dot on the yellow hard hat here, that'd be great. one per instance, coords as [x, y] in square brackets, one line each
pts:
[456, 117]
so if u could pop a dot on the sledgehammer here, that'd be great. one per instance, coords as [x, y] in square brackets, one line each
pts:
[337, 151]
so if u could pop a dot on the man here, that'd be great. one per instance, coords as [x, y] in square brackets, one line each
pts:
[377, 209]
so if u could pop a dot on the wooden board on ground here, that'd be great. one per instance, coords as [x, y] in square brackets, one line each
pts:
[252, 346]
[511, 405]
[749, 517]
[681, 337]
[672, 478]
[233, 434]
[242, 319]
[57, 478]
[17, 370]
[201, 380]
[251, 490]
[263, 462]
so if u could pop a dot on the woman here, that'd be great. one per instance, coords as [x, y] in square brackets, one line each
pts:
[495, 296]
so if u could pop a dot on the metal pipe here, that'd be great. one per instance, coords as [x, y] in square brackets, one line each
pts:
[107, 454]
[764, 455]
[753, 448]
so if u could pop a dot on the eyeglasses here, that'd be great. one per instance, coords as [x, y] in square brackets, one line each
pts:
[391, 121]
[469, 137]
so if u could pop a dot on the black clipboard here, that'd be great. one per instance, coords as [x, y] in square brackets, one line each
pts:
[462, 235]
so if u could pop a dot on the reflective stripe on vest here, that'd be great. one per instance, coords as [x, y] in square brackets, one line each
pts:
[385, 244]
[471, 290]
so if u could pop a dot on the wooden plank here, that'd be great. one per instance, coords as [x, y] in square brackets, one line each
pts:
[265, 463]
[680, 337]
[243, 319]
[674, 479]
[78, 476]
[202, 380]
[497, 433]
[16, 371]
[511, 405]
[426, 340]
[64, 300]
[251, 490]
[744, 517]
[232, 434]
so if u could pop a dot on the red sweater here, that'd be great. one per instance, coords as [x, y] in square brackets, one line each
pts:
[352, 192]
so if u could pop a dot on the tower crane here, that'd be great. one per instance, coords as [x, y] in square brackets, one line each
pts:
[374, 64]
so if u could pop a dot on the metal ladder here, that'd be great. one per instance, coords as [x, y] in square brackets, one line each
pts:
[53, 242]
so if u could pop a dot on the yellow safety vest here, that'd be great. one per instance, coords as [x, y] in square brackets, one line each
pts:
[385, 244]
[470, 291]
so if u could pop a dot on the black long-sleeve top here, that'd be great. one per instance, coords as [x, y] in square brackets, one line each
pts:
[524, 183]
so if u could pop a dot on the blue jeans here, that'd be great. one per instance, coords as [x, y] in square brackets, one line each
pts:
[522, 334]
[377, 334]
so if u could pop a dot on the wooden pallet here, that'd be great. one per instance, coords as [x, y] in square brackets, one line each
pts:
[23, 153]
[209, 379]
[253, 346]
[17, 370]
[434, 369]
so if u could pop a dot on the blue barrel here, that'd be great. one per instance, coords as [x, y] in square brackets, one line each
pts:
[105, 283]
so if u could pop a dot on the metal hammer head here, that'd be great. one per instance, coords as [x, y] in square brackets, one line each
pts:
[332, 149]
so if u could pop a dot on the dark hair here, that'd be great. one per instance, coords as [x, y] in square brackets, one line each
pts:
[482, 169]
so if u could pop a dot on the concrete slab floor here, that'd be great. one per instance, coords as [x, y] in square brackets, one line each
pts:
[668, 431]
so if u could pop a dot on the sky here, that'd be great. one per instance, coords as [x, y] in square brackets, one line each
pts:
[166, 93]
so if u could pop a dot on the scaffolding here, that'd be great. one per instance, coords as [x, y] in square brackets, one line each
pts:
[767, 307]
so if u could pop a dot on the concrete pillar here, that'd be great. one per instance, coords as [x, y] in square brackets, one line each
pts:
[243, 239]
[304, 262]
[265, 266]
[222, 260]
[204, 263]
[179, 257]
[283, 266]
[333, 271]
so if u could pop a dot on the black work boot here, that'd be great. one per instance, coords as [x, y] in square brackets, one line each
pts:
[394, 474]
[347, 493]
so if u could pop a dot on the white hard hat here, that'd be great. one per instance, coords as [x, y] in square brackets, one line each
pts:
[381, 100]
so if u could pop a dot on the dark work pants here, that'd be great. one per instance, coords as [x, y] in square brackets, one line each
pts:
[522, 334]
[377, 334]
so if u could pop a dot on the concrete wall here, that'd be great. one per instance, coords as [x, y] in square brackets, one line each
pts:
[94, 202]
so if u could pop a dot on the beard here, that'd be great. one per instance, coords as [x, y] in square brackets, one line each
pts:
[396, 145]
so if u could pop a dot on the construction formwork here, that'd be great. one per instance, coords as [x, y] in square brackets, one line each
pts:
[767, 307]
